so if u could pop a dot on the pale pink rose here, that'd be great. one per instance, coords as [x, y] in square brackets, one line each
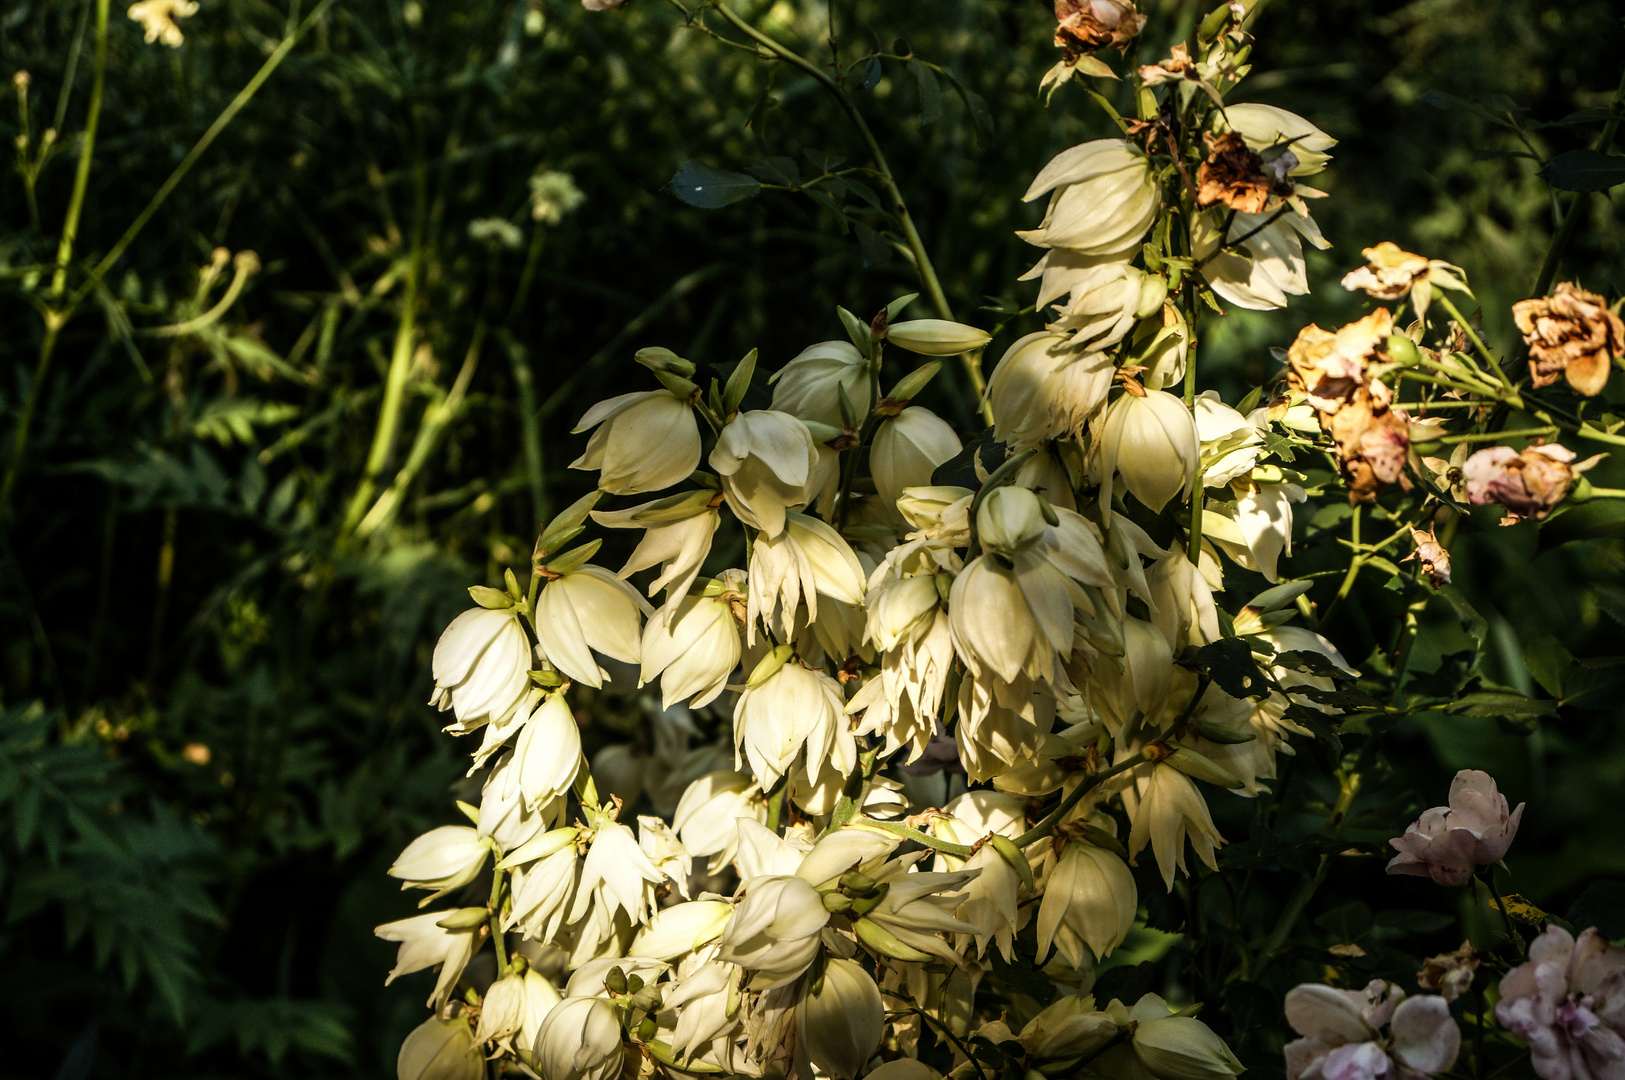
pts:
[1529, 485]
[1567, 1001]
[1343, 1037]
[1448, 843]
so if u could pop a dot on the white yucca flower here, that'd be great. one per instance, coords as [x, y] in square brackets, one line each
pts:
[544, 885]
[666, 852]
[907, 449]
[1001, 724]
[580, 1040]
[1105, 295]
[774, 932]
[481, 667]
[505, 816]
[440, 1049]
[839, 1020]
[707, 817]
[1230, 442]
[707, 1002]
[678, 538]
[1165, 809]
[991, 897]
[908, 625]
[1272, 266]
[1014, 622]
[585, 610]
[1150, 441]
[691, 645]
[442, 859]
[1089, 900]
[767, 462]
[645, 441]
[805, 560]
[1104, 200]
[616, 876]
[809, 386]
[1044, 387]
[681, 929]
[795, 713]
[1266, 127]
[547, 757]
[1259, 528]
[425, 943]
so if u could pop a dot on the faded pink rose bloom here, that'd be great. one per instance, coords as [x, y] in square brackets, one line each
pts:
[1448, 843]
[1567, 1001]
[1529, 485]
[1343, 1038]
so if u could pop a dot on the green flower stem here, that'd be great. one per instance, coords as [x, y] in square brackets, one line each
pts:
[495, 907]
[87, 146]
[1478, 342]
[1495, 436]
[958, 851]
[971, 361]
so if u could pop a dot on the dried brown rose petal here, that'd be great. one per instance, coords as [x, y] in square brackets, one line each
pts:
[1529, 484]
[1085, 26]
[1451, 973]
[1431, 554]
[1572, 334]
[1373, 441]
[1233, 175]
[1389, 272]
[1328, 366]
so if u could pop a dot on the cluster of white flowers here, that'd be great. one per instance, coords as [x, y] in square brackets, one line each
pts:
[952, 695]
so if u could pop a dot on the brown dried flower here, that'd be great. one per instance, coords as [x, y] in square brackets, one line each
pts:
[1431, 554]
[1328, 366]
[1234, 175]
[1373, 441]
[1389, 272]
[1085, 26]
[1451, 973]
[1570, 333]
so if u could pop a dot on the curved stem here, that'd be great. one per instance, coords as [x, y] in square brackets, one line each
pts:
[1571, 220]
[971, 361]
[1046, 828]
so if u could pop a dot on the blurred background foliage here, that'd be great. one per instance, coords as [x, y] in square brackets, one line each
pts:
[215, 643]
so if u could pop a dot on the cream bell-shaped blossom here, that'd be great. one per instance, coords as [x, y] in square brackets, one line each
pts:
[666, 852]
[1166, 809]
[580, 1040]
[481, 667]
[586, 610]
[940, 514]
[681, 929]
[442, 859]
[692, 645]
[540, 998]
[505, 816]
[840, 1019]
[809, 386]
[1000, 724]
[502, 1012]
[616, 875]
[706, 1002]
[677, 538]
[1044, 387]
[764, 853]
[1182, 602]
[645, 441]
[1070, 1027]
[774, 932]
[907, 449]
[547, 757]
[1261, 520]
[766, 461]
[425, 943]
[807, 559]
[440, 1049]
[918, 908]
[1105, 295]
[1270, 266]
[1013, 622]
[1150, 442]
[1089, 899]
[707, 816]
[1230, 442]
[544, 884]
[1104, 198]
[909, 627]
[795, 713]
[1178, 1047]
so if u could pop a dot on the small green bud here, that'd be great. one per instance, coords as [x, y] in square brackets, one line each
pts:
[1402, 350]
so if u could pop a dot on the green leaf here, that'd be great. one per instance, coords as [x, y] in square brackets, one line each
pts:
[874, 246]
[1603, 519]
[1229, 662]
[698, 184]
[1584, 170]
[1413, 922]
[930, 92]
[1602, 905]
[1548, 661]
[1499, 703]
[871, 74]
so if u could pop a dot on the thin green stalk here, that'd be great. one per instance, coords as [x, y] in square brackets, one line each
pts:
[400, 367]
[494, 905]
[1355, 565]
[87, 147]
[1290, 914]
[530, 431]
[971, 361]
[1478, 342]
[897, 828]
[19, 441]
[1571, 220]
[1046, 828]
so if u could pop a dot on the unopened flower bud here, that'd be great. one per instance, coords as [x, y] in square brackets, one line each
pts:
[1183, 1048]
[937, 337]
[440, 1050]
[1009, 520]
